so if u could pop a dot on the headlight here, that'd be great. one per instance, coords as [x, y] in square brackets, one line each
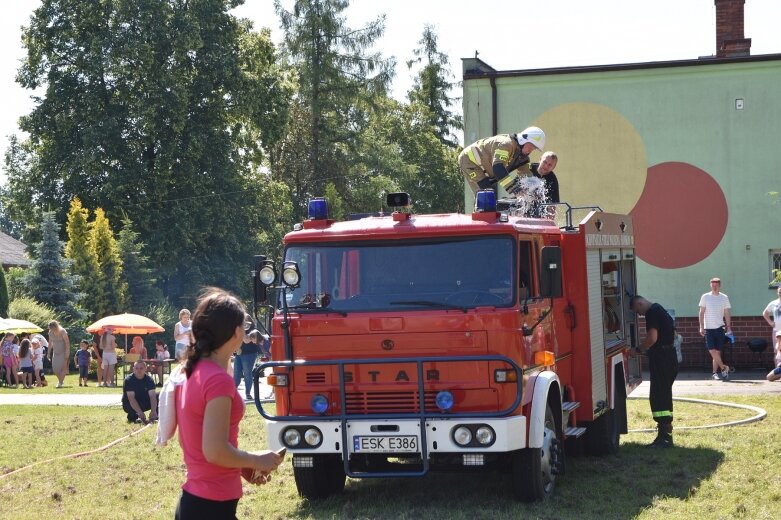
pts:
[313, 437]
[291, 437]
[462, 436]
[484, 435]
[267, 275]
[290, 274]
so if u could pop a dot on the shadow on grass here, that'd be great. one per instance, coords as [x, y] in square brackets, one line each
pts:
[617, 487]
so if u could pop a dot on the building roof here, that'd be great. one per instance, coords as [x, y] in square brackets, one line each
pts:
[474, 70]
[12, 252]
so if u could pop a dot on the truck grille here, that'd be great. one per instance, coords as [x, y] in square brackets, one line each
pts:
[387, 402]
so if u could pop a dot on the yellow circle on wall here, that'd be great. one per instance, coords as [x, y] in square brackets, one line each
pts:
[602, 158]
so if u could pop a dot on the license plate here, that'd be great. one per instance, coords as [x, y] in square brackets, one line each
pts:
[385, 443]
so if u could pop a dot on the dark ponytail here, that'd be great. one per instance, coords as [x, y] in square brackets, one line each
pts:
[24, 348]
[214, 323]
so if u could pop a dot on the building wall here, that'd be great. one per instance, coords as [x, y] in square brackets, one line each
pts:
[667, 145]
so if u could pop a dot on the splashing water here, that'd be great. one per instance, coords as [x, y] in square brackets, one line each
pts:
[533, 193]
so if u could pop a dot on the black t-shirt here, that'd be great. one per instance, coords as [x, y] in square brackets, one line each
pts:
[658, 318]
[140, 387]
[250, 347]
[551, 183]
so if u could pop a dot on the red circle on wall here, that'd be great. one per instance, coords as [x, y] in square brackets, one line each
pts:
[681, 216]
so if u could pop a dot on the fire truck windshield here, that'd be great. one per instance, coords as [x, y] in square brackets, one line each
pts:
[448, 273]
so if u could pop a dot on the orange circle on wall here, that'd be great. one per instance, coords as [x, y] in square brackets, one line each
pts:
[681, 216]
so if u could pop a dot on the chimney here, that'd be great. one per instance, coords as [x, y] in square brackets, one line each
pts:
[730, 42]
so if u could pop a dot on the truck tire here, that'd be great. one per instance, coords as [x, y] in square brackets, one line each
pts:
[325, 478]
[534, 470]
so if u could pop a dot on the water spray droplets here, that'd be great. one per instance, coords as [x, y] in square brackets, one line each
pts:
[533, 193]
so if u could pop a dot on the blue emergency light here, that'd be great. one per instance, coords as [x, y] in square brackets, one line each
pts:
[319, 404]
[318, 209]
[444, 400]
[485, 201]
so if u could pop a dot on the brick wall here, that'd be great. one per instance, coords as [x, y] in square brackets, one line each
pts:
[696, 356]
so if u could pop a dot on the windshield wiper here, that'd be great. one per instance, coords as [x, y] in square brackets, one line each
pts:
[437, 305]
[313, 307]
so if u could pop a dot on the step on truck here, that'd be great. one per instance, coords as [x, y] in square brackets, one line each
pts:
[407, 343]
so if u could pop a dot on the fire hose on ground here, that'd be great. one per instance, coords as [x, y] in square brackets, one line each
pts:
[760, 414]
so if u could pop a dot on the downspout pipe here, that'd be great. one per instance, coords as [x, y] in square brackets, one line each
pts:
[494, 122]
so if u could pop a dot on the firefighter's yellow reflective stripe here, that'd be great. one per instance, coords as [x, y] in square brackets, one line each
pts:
[502, 155]
[505, 183]
[474, 154]
[663, 413]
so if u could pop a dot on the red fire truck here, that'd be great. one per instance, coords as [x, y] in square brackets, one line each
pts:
[408, 343]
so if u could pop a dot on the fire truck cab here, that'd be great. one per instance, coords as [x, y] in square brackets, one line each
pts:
[407, 343]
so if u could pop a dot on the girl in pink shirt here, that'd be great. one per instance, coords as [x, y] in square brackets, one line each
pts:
[208, 412]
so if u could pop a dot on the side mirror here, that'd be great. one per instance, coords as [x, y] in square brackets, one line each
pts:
[550, 272]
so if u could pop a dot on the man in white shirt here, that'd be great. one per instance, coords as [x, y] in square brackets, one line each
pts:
[772, 313]
[714, 315]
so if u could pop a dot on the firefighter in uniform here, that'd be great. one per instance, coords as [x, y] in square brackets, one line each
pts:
[491, 160]
[662, 365]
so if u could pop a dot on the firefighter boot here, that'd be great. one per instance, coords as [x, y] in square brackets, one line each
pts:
[664, 437]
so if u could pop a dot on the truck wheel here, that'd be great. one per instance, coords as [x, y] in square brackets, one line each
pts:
[326, 477]
[534, 470]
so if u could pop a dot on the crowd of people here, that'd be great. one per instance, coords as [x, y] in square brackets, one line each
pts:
[23, 355]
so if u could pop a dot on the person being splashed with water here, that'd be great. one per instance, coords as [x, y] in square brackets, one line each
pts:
[550, 192]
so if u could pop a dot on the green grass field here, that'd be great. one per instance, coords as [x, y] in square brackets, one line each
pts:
[715, 473]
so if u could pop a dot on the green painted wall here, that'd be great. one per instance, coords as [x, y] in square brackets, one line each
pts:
[668, 146]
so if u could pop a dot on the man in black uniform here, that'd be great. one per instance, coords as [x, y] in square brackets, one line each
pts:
[662, 365]
[544, 170]
[138, 395]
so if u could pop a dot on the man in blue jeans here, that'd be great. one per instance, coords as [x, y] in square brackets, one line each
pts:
[244, 361]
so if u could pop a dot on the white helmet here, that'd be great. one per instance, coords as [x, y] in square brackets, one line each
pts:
[533, 135]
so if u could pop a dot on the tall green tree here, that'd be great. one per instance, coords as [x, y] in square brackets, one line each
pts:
[154, 109]
[425, 132]
[110, 291]
[432, 87]
[338, 80]
[136, 273]
[4, 300]
[48, 279]
[402, 146]
[84, 263]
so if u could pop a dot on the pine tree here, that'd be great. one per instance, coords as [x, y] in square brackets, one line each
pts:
[84, 263]
[432, 87]
[48, 279]
[136, 274]
[3, 295]
[111, 289]
[339, 82]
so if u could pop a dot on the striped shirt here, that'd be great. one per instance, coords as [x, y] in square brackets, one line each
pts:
[714, 305]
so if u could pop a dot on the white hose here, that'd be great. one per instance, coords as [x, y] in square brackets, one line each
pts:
[760, 414]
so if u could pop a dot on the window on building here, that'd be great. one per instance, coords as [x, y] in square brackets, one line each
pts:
[775, 267]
